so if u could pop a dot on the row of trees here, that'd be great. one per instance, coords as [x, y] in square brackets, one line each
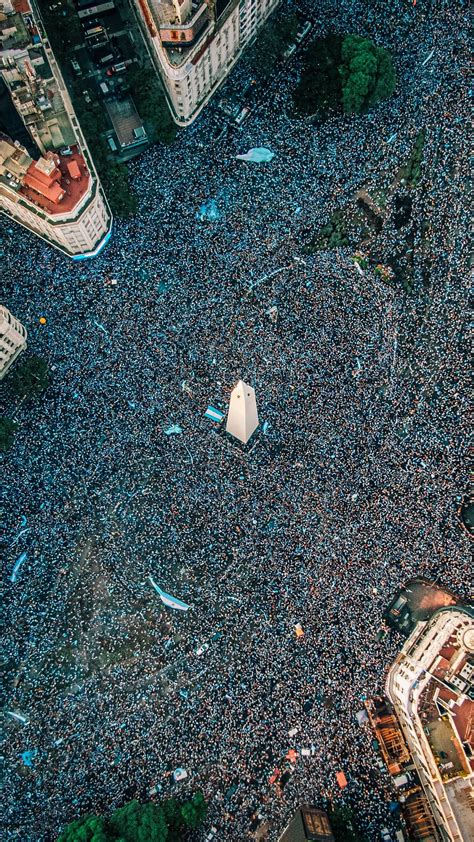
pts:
[65, 32]
[135, 822]
[151, 103]
[344, 73]
[28, 379]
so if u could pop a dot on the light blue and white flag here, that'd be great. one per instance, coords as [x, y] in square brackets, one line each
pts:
[168, 600]
[257, 155]
[214, 414]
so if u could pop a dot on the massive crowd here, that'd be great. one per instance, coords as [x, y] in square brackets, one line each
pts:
[348, 489]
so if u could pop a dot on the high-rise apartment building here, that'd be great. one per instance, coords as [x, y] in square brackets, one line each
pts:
[48, 182]
[195, 43]
[12, 340]
[431, 689]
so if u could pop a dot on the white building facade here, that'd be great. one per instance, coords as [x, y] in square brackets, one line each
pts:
[194, 45]
[13, 338]
[435, 670]
[70, 213]
[74, 215]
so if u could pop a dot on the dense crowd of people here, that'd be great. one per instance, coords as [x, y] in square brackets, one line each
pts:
[349, 487]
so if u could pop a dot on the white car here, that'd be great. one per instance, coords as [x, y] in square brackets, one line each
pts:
[202, 648]
[211, 835]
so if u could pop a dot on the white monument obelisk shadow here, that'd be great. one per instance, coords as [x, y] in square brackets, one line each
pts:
[242, 419]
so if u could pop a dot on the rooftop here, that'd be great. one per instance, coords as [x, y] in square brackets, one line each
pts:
[308, 825]
[126, 122]
[13, 33]
[62, 191]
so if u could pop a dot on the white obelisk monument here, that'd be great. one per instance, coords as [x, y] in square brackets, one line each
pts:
[242, 419]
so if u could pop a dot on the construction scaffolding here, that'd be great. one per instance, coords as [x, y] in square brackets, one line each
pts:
[419, 820]
[391, 741]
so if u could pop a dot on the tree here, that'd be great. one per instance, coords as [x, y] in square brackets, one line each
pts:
[8, 429]
[151, 104]
[137, 822]
[343, 72]
[86, 829]
[341, 821]
[31, 377]
[172, 812]
[367, 74]
[194, 811]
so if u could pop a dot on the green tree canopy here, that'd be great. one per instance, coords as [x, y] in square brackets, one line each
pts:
[151, 104]
[137, 822]
[7, 433]
[30, 377]
[194, 811]
[342, 825]
[343, 72]
[366, 72]
[86, 829]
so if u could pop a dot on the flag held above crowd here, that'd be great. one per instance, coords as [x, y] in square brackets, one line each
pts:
[168, 600]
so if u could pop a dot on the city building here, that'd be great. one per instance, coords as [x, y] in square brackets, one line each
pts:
[308, 825]
[430, 687]
[12, 340]
[195, 43]
[48, 182]
[128, 126]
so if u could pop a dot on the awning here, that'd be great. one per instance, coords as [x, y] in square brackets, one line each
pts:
[341, 779]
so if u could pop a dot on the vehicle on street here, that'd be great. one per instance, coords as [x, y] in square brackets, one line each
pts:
[242, 116]
[230, 109]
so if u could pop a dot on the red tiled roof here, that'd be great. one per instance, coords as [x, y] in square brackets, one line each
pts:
[72, 188]
[44, 178]
[52, 191]
[22, 7]
[73, 169]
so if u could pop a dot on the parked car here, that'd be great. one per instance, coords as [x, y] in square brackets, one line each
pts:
[229, 108]
[87, 96]
[242, 116]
